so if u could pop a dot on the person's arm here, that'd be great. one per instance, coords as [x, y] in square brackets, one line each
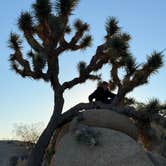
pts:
[93, 95]
[111, 95]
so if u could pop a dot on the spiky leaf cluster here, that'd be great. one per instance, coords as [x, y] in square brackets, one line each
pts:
[42, 9]
[38, 61]
[80, 26]
[81, 67]
[126, 37]
[25, 22]
[112, 26]
[65, 7]
[120, 57]
[68, 29]
[118, 44]
[155, 61]
[45, 32]
[129, 101]
[56, 24]
[15, 41]
[86, 41]
[130, 64]
[153, 106]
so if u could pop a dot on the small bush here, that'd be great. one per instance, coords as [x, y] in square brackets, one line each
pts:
[28, 133]
[87, 135]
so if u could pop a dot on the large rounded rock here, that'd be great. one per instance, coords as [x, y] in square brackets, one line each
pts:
[114, 149]
[106, 119]
[110, 119]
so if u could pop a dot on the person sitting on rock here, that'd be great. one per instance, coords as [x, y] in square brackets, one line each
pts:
[102, 93]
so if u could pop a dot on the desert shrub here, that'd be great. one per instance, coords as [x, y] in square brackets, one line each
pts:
[87, 135]
[28, 132]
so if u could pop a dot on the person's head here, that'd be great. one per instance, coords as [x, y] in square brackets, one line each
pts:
[105, 85]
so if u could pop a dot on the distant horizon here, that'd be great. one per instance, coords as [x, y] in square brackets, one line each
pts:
[29, 101]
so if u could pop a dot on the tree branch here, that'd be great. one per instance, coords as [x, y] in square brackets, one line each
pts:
[114, 74]
[33, 42]
[17, 59]
[97, 61]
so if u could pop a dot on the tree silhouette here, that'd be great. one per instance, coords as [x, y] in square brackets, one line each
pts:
[45, 29]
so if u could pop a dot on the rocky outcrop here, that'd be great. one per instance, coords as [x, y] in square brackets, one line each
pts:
[115, 148]
[12, 151]
[106, 119]
[110, 119]
[116, 145]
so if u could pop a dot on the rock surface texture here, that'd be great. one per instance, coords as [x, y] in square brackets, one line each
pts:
[114, 149]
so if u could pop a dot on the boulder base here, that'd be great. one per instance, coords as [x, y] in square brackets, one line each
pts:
[114, 149]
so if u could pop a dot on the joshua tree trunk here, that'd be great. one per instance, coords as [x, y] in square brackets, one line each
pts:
[119, 98]
[37, 153]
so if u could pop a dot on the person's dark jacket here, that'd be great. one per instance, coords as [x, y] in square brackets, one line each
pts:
[102, 95]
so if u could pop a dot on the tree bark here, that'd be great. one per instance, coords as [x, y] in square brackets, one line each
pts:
[119, 98]
[37, 154]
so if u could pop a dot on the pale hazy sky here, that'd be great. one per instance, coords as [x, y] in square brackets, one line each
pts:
[30, 101]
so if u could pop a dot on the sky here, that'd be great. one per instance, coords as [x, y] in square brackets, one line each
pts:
[23, 100]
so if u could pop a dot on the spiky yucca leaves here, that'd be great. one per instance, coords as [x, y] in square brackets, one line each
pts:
[130, 64]
[81, 67]
[136, 75]
[155, 61]
[65, 7]
[152, 110]
[129, 101]
[153, 106]
[81, 40]
[68, 29]
[14, 41]
[25, 22]
[111, 26]
[56, 25]
[118, 43]
[38, 61]
[42, 9]
[86, 41]
[163, 111]
[80, 26]
[126, 37]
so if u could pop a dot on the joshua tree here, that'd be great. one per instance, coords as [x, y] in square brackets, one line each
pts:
[45, 30]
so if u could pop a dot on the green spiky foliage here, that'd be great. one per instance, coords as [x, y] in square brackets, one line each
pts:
[42, 9]
[81, 67]
[64, 7]
[45, 28]
[129, 101]
[25, 21]
[153, 106]
[120, 57]
[153, 110]
[112, 26]
[15, 41]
